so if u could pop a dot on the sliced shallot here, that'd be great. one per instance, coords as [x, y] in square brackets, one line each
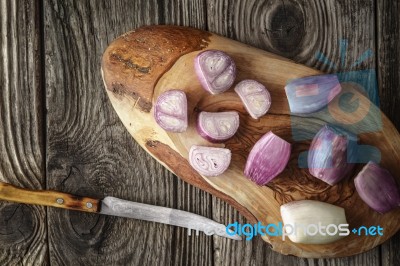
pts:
[267, 158]
[209, 161]
[215, 70]
[170, 111]
[218, 126]
[255, 97]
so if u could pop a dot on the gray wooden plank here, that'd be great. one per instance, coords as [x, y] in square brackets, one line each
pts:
[23, 232]
[388, 67]
[296, 29]
[91, 153]
[190, 13]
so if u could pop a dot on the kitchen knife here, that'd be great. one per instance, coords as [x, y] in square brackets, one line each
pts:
[115, 207]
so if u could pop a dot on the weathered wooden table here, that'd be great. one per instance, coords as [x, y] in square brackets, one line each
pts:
[59, 131]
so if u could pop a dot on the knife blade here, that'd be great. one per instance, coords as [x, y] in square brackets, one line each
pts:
[123, 208]
[116, 207]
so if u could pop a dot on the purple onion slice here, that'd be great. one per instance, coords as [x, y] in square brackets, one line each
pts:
[377, 188]
[217, 127]
[267, 159]
[331, 154]
[255, 97]
[310, 94]
[209, 161]
[215, 70]
[170, 111]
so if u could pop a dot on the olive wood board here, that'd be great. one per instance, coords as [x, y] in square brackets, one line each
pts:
[139, 65]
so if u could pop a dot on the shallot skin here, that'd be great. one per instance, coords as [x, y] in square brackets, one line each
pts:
[209, 161]
[377, 188]
[170, 111]
[310, 94]
[267, 159]
[331, 154]
[215, 70]
[217, 127]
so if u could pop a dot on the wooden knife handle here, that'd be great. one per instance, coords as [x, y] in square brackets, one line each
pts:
[48, 198]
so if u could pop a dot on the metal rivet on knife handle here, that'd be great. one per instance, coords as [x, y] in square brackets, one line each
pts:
[51, 198]
[60, 201]
[111, 206]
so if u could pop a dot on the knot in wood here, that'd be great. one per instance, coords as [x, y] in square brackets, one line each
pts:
[285, 28]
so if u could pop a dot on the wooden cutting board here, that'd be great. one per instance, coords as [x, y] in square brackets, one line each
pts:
[141, 64]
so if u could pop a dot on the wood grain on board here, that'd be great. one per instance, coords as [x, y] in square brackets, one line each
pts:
[148, 47]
